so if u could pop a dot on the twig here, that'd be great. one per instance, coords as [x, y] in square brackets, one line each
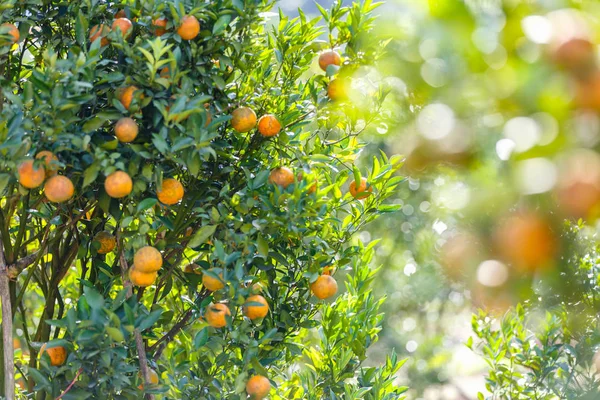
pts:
[7, 327]
[70, 384]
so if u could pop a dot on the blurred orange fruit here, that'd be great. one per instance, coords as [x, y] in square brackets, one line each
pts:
[31, 175]
[58, 354]
[99, 31]
[142, 279]
[107, 242]
[124, 25]
[48, 157]
[147, 259]
[189, 28]
[160, 26]
[578, 186]
[153, 378]
[363, 190]
[118, 184]
[256, 311]
[282, 176]
[258, 387]
[268, 125]
[59, 189]
[125, 96]
[575, 54]
[338, 89]
[215, 315]
[324, 287]
[526, 241]
[126, 130]
[243, 119]
[211, 283]
[171, 191]
[329, 57]
[13, 31]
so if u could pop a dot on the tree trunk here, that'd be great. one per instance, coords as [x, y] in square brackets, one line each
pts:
[7, 330]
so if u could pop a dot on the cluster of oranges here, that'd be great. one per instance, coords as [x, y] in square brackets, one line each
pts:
[147, 261]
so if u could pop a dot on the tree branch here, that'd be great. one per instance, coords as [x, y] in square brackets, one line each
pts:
[7, 327]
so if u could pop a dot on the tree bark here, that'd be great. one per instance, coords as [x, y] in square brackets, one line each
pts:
[7, 328]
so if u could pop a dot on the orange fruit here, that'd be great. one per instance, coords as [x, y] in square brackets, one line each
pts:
[58, 189]
[526, 241]
[121, 14]
[58, 354]
[160, 26]
[362, 191]
[324, 287]
[574, 54]
[211, 283]
[243, 119]
[30, 175]
[165, 73]
[147, 260]
[256, 311]
[328, 58]
[13, 32]
[142, 279]
[337, 89]
[171, 192]
[126, 130]
[48, 157]
[193, 269]
[208, 115]
[107, 242]
[258, 387]
[282, 176]
[124, 25]
[126, 96]
[189, 28]
[215, 315]
[153, 378]
[99, 31]
[118, 184]
[268, 125]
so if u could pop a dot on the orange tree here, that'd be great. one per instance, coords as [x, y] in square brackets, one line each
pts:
[178, 202]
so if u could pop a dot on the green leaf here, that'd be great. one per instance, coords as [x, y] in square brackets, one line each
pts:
[201, 338]
[150, 319]
[115, 334]
[146, 204]
[263, 246]
[202, 235]
[93, 298]
[221, 24]
[90, 174]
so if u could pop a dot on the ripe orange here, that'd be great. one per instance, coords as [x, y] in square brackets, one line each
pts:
[578, 186]
[328, 58]
[160, 26]
[166, 73]
[171, 192]
[526, 241]
[124, 25]
[13, 32]
[282, 176]
[574, 54]
[362, 191]
[193, 269]
[58, 189]
[58, 354]
[211, 283]
[258, 387]
[147, 260]
[121, 14]
[328, 270]
[208, 115]
[126, 130]
[118, 184]
[142, 279]
[99, 31]
[153, 378]
[256, 311]
[215, 315]
[337, 89]
[268, 125]
[189, 28]
[31, 175]
[48, 157]
[324, 287]
[125, 96]
[243, 119]
[107, 242]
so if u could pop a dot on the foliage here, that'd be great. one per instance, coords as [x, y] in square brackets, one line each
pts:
[64, 94]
